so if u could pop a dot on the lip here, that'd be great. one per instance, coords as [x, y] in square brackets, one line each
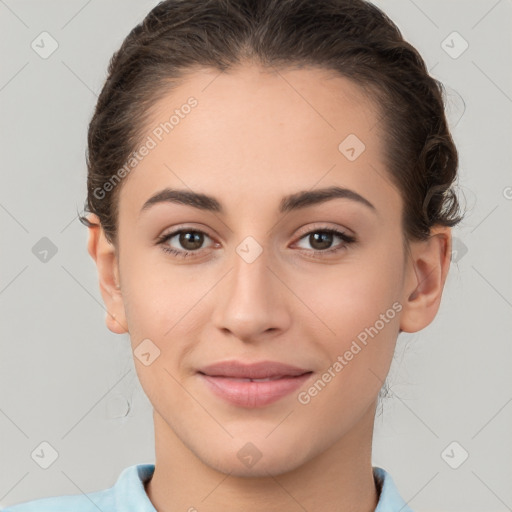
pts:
[225, 380]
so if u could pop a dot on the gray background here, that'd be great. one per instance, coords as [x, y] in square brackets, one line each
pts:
[65, 379]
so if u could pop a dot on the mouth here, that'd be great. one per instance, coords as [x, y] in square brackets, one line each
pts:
[235, 379]
[262, 370]
[253, 385]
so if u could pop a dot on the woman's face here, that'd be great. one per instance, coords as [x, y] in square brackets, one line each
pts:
[262, 279]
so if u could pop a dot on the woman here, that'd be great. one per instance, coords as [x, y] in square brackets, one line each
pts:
[270, 202]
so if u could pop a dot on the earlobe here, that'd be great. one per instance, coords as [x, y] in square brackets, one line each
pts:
[426, 271]
[104, 254]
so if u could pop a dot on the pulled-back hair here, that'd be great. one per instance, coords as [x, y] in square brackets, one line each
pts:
[352, 37]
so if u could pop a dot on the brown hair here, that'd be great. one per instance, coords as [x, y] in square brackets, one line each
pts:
[351, 37]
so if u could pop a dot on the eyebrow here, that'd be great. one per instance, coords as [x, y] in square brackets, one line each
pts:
[291, 202]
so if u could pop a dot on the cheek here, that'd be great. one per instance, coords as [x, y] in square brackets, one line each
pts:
[364, 317]
[162, 301]
[149, 296]
[348, 297]
[356, 319]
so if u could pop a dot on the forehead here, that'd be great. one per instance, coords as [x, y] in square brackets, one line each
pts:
[261, 132]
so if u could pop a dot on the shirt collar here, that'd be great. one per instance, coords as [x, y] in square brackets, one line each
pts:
[390, 499]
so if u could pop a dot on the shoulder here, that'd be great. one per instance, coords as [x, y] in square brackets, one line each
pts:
[91, 502]
[126, 493]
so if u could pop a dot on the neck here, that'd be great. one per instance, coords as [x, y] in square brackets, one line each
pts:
[338, 479]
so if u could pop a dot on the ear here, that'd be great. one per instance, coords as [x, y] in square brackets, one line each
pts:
[427, 266]
[104, 254]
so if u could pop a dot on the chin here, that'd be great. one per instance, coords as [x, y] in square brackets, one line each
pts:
[262, 469]
[272, 464]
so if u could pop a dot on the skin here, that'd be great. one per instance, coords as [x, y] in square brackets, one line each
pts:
[251, 140]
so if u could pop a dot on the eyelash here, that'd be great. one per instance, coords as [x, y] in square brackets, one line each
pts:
[347, 240]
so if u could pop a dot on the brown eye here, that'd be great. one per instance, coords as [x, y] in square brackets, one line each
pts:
[183, 243]
[191, 240]
[321, 240]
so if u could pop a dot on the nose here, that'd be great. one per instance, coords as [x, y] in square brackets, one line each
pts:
[252, 300]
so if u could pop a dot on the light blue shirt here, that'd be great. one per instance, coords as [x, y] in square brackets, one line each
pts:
[128, 495]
